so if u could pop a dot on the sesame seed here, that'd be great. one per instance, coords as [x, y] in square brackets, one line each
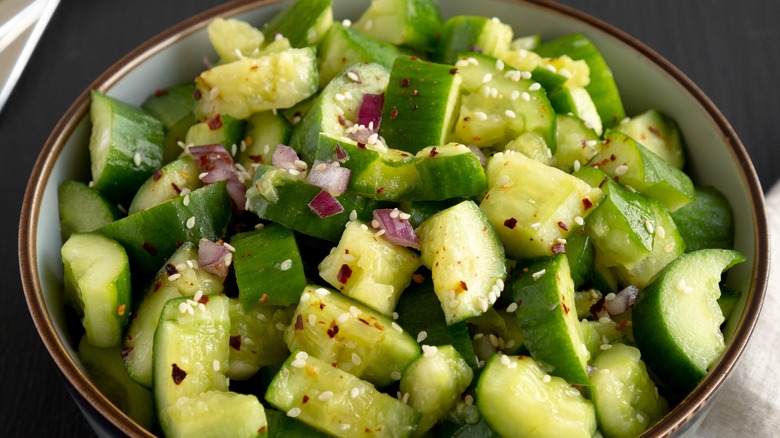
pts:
[261, 317]
[353, 215]
[515, 94]
[579, 220]
[379, 233]
[325, 396]
[547, 378]
[505, 359]
[621, 170]
[605, 320]
[174, 277]
[610, 296]
[535, 86]
[538, 274]
[649, 226]
[198, 295]
[513, 75]
[499, 65]
[468, 399]
[487, 78]
[343, 317]
[354, 393]
[305, 297]
[511, 114]
[480, 115]
[137, 159]
[286, 265]
[191, 222]
[454, 303]
[421, 336]
[525, 96]
[405, 398]
[472, 61]
[190, 310]
[394, 213]
[535, 225]
[640, 418]
[183, 307]
[577, 165]
[346, 22]
[510, 343]
[312, 320]
[364, 227]
[511, 307]
[280, 326]
[354, 311]
[478, 336]
[494, 92]
[397, 327]
[340, 97]
[395, 315]
[216, 365]
[395, 375]
[404, 216]
[321, 291]
[605, 347]
[356, 359]
[429, 350]
[353, 76]
[482, 304]
[493, 340]
[302, 355]
[294, 412]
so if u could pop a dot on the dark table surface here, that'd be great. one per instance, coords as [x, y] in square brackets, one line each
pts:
[729, 49]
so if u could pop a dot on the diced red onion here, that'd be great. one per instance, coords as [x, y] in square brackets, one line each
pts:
[210, 157]
[478, 152]
[340, 153]
[370, 111]
[360, 135]
[325, 205]
[284, 157]
[217, 165]
[397, 229]
[622, 302]
[214, 257]
[329, 176]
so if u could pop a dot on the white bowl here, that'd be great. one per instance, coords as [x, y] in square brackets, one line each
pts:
[645, 80]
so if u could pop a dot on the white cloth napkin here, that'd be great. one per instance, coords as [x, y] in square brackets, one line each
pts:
[749, 403]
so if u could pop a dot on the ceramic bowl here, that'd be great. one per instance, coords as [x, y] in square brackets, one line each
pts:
[644, 78]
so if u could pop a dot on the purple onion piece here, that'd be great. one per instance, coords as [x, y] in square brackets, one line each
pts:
[623, 300]
[214, 258]
[329, 176]
[478, 152]
[397, 230]
[284, 157]
[340, 153]
[217, 165]
[325, 205]
[370, 111]
[210, 157]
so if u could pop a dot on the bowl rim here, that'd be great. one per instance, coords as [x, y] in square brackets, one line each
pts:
[41, 172]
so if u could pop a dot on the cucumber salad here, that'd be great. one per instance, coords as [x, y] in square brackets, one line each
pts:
[405, 225]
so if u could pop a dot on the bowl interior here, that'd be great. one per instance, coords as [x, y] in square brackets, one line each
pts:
[645, 81]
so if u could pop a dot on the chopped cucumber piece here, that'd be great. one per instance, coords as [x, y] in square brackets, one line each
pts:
[83, 209]
[544, 293]
[304, 22]
[234, 39]
[177, 177]
[420, 104]
[626, 400]
[277, 80]
[349, 335]
[369, 268]
[264, 132]
[575, 143]
[466, 260]
[216, 414]
[530, 219]
[468, 33]
[268, 267]
[97, 286]
[517, 398]
[345, 46]
[676, 318]
[125, 146]
[175, 108]
[220, 129]
[434, 383]
[707, 222]
[336, 402]
[255, 338]
[412, 23]
[657, 132]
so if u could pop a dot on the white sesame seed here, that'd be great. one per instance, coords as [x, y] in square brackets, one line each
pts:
[379, 233]
[493, 340]
[395, 315]
[468, 399]
[480, 115]
[511, 114]
[649, 226]
[421, 336]
[321, 291]
[511, 307]
[286, 265]
[395, 375]
[660, 232]
[353, 76]
[261, 317]
[137, 159]
[547, 378]
[478, 336]
[190, 310]
[312, 320]
[280, 326]
[356, 359]
[605, 347]
[216, 365]
[494, 92]
[525, 96]
[294, 412]
[510, 343]
[610, 296]
[579, 220]
[605, 320]
[513, 75]
[505, 359]
[621, 170]
[454, 303]
[535, 225]
[174, 277]
[305, 297]
[472, 61]
[325, 396]
[577, 165]
[429, 350]
[353, 215]
[346, 22]
[535, 86]
[340, 97]
[515, 94]
[354, 311]
[487, 78]
[538, 274]
[191, 222]
[404, 216]
[397, 327]
[183, 307]
[343, 317]
[482, 304]
[198, 295]
[302, 355]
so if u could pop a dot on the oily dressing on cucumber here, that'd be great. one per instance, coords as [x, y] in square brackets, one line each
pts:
[408, 225]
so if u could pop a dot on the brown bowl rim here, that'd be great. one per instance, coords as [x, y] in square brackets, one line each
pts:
[44, 164]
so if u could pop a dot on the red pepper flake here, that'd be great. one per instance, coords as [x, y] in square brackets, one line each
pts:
[622, 324]
[148, 247]
[126, 352]
[360, 318]
[160, 92]
[305, 399]
[299, 322]
[453, 71]
[196, 94]
[204, 300]
[263, 298]
[562, 225]
[344, 273]
[120, 310]
[393, 113]
[342, 121]
[414, 107]
[565, 308]
[559, 248]
[587, 204]
[415, 58]
[380, 190]
[415, 92]
[175, 188]
[156, 174]
[475, 48]
[418, 278]
[405, 82]
[177, 374]
[157, 286]
[257, 159]
[235, 342]
[510, 223]
[434, 152]
[333, 330]
[170, 269]
[463, 286]
[215, 122]
[654, 130]
[262, 430]
[598, 307]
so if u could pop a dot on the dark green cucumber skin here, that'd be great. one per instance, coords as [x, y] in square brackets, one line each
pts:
[256, 263]
[406, 124]
[282, 426]
[582, 256]
[526, 290]
[294, 212]
[728, 300]
[360, 48]
[133, 130]
[454, 430]
[421, 210]
[602, 87]
[445, 177]
[263, 129]
[458, 35]
[83, 209]
[707, 222]
[295, 21]
[151, 236]
[172, 104]
[419, 310]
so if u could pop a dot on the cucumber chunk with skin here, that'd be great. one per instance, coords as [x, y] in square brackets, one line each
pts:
[169, 182]
[268, 267]
[676, 318]
[468, 33]
[420, 104]
[217, 414]
[336, 402]
[631, 164]
[255, 339]
[125, 146]
[175, 108]
[369, 268]
[517, 398]
[659, 133]
[233, 39]
[83, 209]
[107, 372]
[529, 218]
[178, 277]
[434, 383]
[191, 345]
[626, 400]
[264, 132]
[707, 222]
[220, 129]
[97, 285]
[575, 143]
[411, 23]
[304, 22]
[356, 339]
[466, 260]
[544, 293]
[276, 80]
[282, 426]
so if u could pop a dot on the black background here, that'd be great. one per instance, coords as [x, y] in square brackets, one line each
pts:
[729, 49]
